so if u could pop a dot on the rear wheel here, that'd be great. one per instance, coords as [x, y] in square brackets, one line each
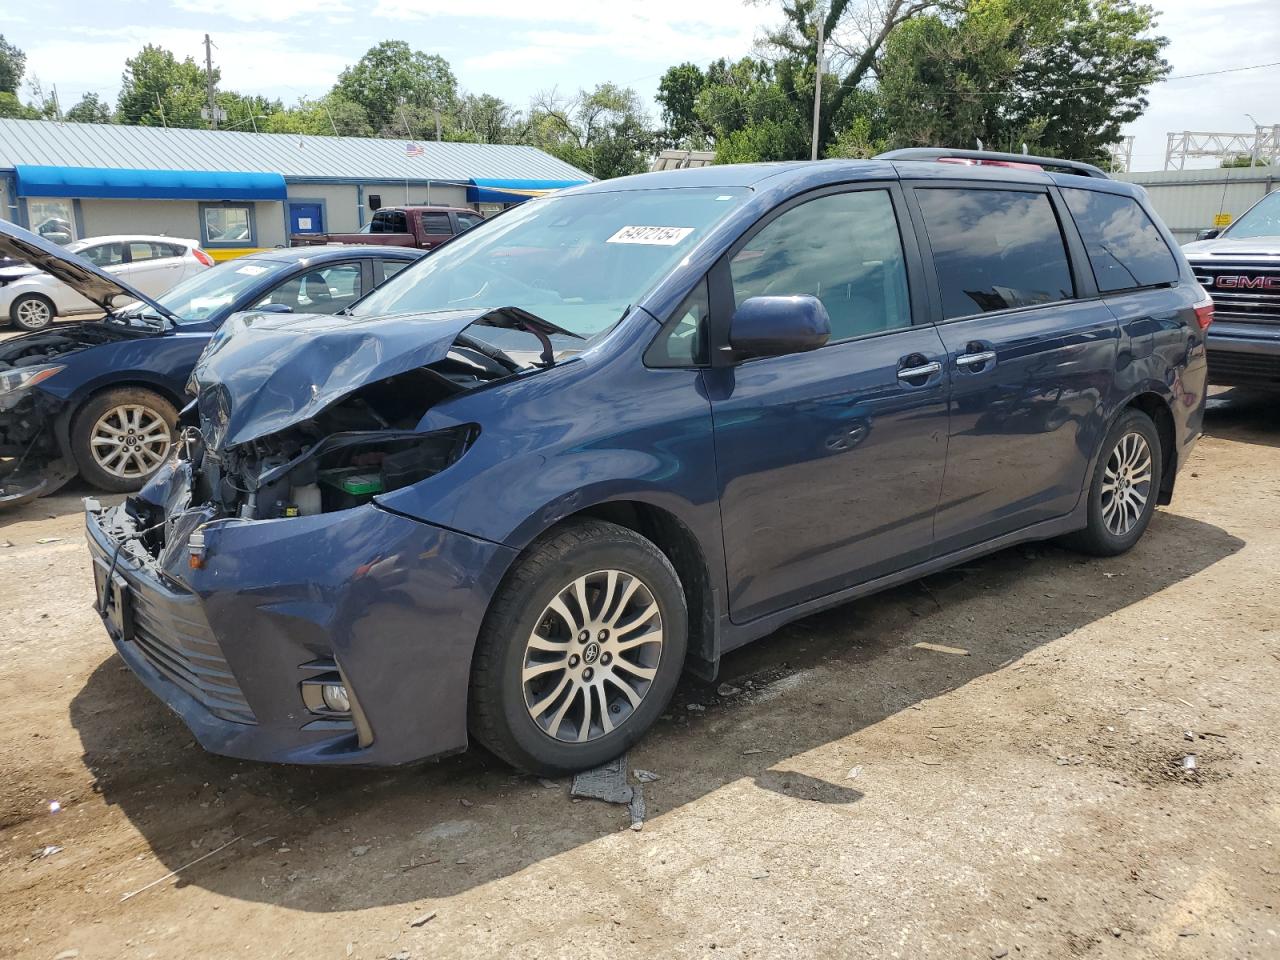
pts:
[32, 311]
[1122, 495]
[580, 651]
[121, 437]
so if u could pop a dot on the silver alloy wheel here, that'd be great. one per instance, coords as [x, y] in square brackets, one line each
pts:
[1126, 483]
[592, 656]
[34, 313]
[130, 441]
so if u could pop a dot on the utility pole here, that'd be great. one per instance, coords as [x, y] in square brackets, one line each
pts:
[57, 107]
[208, 82]
[817, 85]
[436, 107]
[160, 107]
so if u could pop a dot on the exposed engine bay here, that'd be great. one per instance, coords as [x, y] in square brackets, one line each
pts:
[344, 454]
[360, 447]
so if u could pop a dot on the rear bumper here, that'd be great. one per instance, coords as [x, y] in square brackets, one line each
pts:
[1244, 355]
[394, 604]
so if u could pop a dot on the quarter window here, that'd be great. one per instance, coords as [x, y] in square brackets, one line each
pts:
[683, 340]
[995, 249]
[1125, 248]
[844, 249]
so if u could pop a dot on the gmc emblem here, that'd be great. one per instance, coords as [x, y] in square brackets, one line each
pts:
[1234, 282]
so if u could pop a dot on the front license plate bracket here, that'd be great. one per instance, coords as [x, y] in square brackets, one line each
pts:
[112, 600]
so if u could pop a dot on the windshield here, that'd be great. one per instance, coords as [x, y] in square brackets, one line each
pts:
[199, 296]
[577, 260]
[1261, 220]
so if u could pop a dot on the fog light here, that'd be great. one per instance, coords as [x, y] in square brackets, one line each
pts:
[335, 697]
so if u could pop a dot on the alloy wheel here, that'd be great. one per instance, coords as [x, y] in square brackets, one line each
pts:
[34, 314]
[130, 441]
[1126, 484]
[592, 656]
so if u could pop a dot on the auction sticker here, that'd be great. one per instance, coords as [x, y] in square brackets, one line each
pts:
[655, 236]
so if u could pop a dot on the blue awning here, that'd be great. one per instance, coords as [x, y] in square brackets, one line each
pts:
[40, 181]
[514, 191]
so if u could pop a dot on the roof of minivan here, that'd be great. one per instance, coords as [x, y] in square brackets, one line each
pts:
[837, 171]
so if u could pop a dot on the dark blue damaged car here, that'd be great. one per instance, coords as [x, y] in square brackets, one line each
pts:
[620, 431]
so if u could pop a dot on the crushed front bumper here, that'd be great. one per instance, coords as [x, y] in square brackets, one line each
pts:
[391, 604]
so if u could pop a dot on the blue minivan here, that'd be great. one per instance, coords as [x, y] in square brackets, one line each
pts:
[619, 431]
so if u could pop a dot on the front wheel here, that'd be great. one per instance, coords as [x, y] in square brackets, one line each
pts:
[1122, 495]
[121, 437]
[32, 312]
[580, 651]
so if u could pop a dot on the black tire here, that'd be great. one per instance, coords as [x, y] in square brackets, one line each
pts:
[32, 311]
[86, 419]
[1099, 537]
[499, 716]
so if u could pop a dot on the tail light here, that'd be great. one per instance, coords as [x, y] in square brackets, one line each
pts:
[1204, 313]
[202, 256]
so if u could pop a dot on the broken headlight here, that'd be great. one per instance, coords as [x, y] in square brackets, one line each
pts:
[23, 378]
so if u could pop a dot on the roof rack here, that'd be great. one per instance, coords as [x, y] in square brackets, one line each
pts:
[940, 153]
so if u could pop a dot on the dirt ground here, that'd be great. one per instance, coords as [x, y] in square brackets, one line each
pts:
[861, 796]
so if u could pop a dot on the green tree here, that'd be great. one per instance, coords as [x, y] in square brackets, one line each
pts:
[11, 108]
[158, 89]
[604, 132]
[678, 92]
[13, 63]
[1244, 160]
[393, 74]
[91, 109]
[753, 110]
[245, 111]
[328, 116]
[483, 118]
[1060, 77]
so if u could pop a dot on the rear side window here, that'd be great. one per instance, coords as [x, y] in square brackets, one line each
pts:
[1125, 248]
[995, 249]
[436, 223]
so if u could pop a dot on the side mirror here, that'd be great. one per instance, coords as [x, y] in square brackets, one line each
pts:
[274, 308]
[1209, 234]
[776, 326]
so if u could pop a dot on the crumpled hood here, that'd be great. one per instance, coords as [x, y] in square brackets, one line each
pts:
[263, 372]
[91, 282]
[1229, 247]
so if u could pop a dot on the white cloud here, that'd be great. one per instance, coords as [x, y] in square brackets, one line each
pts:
[274, 11]
[79, 60]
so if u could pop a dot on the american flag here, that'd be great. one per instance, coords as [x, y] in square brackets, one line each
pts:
[412, 150]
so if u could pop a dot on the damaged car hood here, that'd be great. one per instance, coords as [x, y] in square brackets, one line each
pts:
[263, 372]
[91, 282]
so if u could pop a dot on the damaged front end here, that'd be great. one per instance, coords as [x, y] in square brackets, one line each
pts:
[257, 587]
[333, 424]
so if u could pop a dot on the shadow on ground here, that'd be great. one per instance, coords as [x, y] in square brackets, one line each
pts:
[350, 839]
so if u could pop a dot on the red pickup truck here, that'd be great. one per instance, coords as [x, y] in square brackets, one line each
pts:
[422, 227]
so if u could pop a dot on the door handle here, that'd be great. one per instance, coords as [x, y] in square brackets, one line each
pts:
[924, 370]
[975, 359]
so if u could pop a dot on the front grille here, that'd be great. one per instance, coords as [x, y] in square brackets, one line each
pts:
[170, 631]
[1243, 369]
[1242, 303]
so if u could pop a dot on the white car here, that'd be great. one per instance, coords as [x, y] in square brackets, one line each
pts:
[31, 299]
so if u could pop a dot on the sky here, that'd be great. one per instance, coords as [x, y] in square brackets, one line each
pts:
[291, 48]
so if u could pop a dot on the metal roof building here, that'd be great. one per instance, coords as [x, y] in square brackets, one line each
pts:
[235, 191]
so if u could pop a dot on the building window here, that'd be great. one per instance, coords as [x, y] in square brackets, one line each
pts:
[52, 219]
[227, 225]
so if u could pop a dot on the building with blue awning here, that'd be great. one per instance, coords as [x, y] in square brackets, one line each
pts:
[235, 191]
